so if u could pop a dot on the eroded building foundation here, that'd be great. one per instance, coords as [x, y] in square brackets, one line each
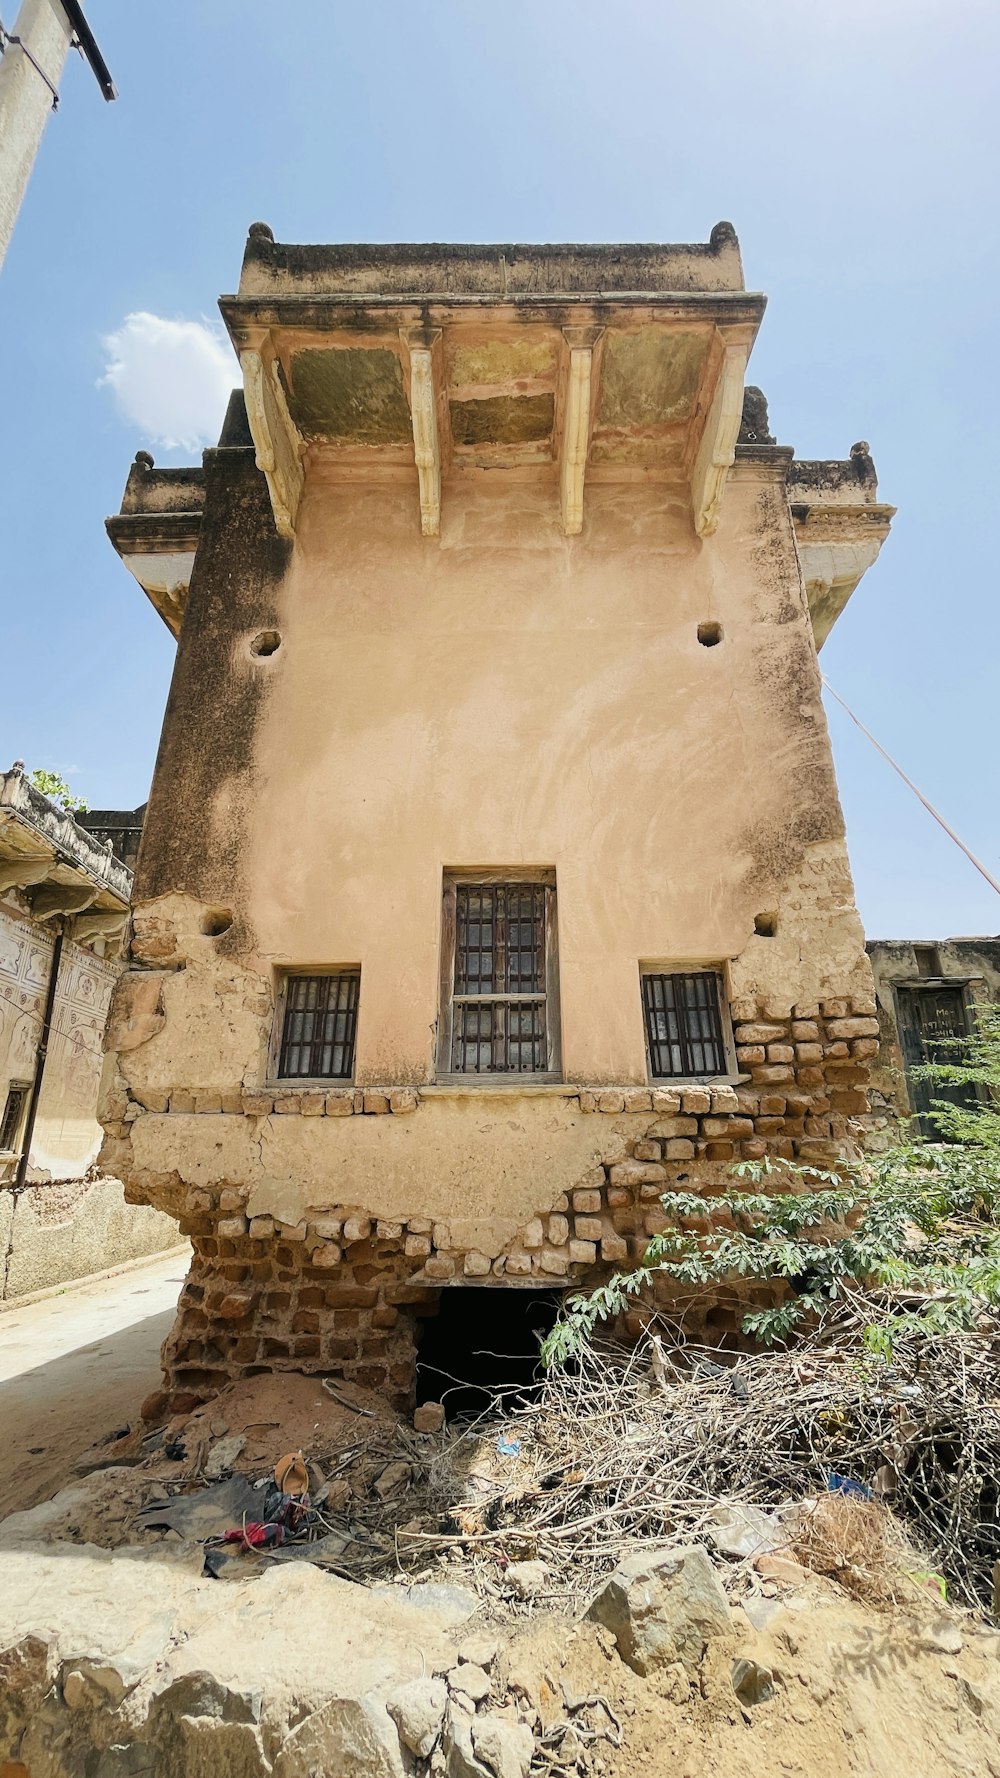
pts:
[493, 876]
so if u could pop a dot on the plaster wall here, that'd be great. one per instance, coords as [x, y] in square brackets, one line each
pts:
[67, 1135]
[513, 698]
[52, 1234]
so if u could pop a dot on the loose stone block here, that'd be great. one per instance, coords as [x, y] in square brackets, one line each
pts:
[639, 1172]
[261, 1228]
[587, 1200]
[441, 1234]
[759, 1033]
[780, 1052]
[233, 1197]
[754, 1150]
[293, 1231]
[420, 1225]
[647, 1151]
[742, 1012]
[340, 1104]
[476, 1265]
[558, 1230]
[805, 1052]
[807, 1010]
[439, 1265]
[583, 1253]
[389, 1231]
[312, 1105]
[696, 1101]
[614, 1249]
[638, 1100]
[611, 1102]
[805, 1030]
[724, 1100]
[772, 1073]
[851, 1028]
[679, 1148]
[327, 1254]
[726, 1128]
[618, 1197]
[357, 1228]
[772, 1104]
[197, 1203]
[588, 1228]
[864, 1008]
[534, 1234]
[862, 1047]
[375, 1104]
[587, 1101]
[835, 1009]
[232, 1228]
[749, 1053]
[519, 1263]
[402, 1100]
[556, 1264]
[675, 1126]
[287, 1104]
[417, 1246]
[666, 1100]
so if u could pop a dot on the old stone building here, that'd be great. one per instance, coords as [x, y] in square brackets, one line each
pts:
[927, 992]
[493, 872]
[64, 899]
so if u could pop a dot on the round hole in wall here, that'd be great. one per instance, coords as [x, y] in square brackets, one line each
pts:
[216, 921]
[709, 634]
[765, 925]
[265, 643]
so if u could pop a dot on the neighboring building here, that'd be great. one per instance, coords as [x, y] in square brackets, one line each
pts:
[494, 872]
[63, 908]
[122, 828]
[927, 993]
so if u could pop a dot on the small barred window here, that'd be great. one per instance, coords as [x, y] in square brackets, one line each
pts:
[684, 1034]
[500, 1008]
[319, 1020]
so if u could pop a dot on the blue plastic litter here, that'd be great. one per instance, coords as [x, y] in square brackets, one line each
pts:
[508, 1447]
[845, 1484]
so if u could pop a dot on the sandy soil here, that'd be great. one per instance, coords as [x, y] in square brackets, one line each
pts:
[75, 1367]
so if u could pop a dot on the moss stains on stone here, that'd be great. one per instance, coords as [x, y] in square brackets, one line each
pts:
[650, 377]
[350, 395]
[502, 419]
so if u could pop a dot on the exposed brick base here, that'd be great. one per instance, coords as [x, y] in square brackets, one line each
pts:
[343, 1294]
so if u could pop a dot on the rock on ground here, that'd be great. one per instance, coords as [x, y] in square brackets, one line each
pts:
[663, 1607]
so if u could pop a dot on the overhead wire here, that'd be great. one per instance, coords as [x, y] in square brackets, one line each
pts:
[929, 806]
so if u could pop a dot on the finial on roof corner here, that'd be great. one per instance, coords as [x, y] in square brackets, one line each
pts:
[18, 765]
[861, 449]
[144, 460]
[722, 234]
[260, 231]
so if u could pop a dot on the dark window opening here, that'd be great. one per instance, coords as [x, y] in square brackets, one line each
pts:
[13, 1111]
[499, 988]
[684, 1025]
[482, 1347]
[319, 1026]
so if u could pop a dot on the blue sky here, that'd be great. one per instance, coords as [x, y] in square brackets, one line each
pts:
[853, 145]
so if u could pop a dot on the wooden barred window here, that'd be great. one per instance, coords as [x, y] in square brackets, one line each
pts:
[13, 1116]
[499, 995]
[318, 1021]
[684, 1033]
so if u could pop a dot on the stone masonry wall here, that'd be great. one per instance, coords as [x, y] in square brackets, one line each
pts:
[343, 1293]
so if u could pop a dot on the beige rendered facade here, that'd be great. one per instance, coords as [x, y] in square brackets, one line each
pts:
[496, 726]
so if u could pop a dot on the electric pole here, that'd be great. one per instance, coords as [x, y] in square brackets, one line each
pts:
[34, 54]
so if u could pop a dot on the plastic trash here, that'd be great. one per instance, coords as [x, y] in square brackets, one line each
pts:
[508, 1447]
[845, 1484]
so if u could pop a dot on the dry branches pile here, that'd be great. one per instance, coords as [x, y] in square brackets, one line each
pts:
[641, 1447]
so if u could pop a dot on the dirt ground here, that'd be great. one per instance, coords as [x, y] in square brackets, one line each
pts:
[74, 1367]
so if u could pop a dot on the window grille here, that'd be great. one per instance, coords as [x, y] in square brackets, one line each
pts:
[684, 1025]
[13, 1111]
[319, 1026]
[501, 990]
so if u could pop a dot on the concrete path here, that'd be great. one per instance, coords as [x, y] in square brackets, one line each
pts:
[76, 1366]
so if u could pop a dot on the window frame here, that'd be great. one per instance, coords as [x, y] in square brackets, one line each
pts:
[23, 1087]
[291, 1081]
[513, 877]
[729, 1071]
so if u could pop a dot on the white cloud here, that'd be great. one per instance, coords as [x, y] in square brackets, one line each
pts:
[170, 379]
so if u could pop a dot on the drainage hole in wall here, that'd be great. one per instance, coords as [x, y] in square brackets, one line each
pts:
[481, 1347]
[765, 925]
[709, 634]
[266, 642]
[216, 921]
